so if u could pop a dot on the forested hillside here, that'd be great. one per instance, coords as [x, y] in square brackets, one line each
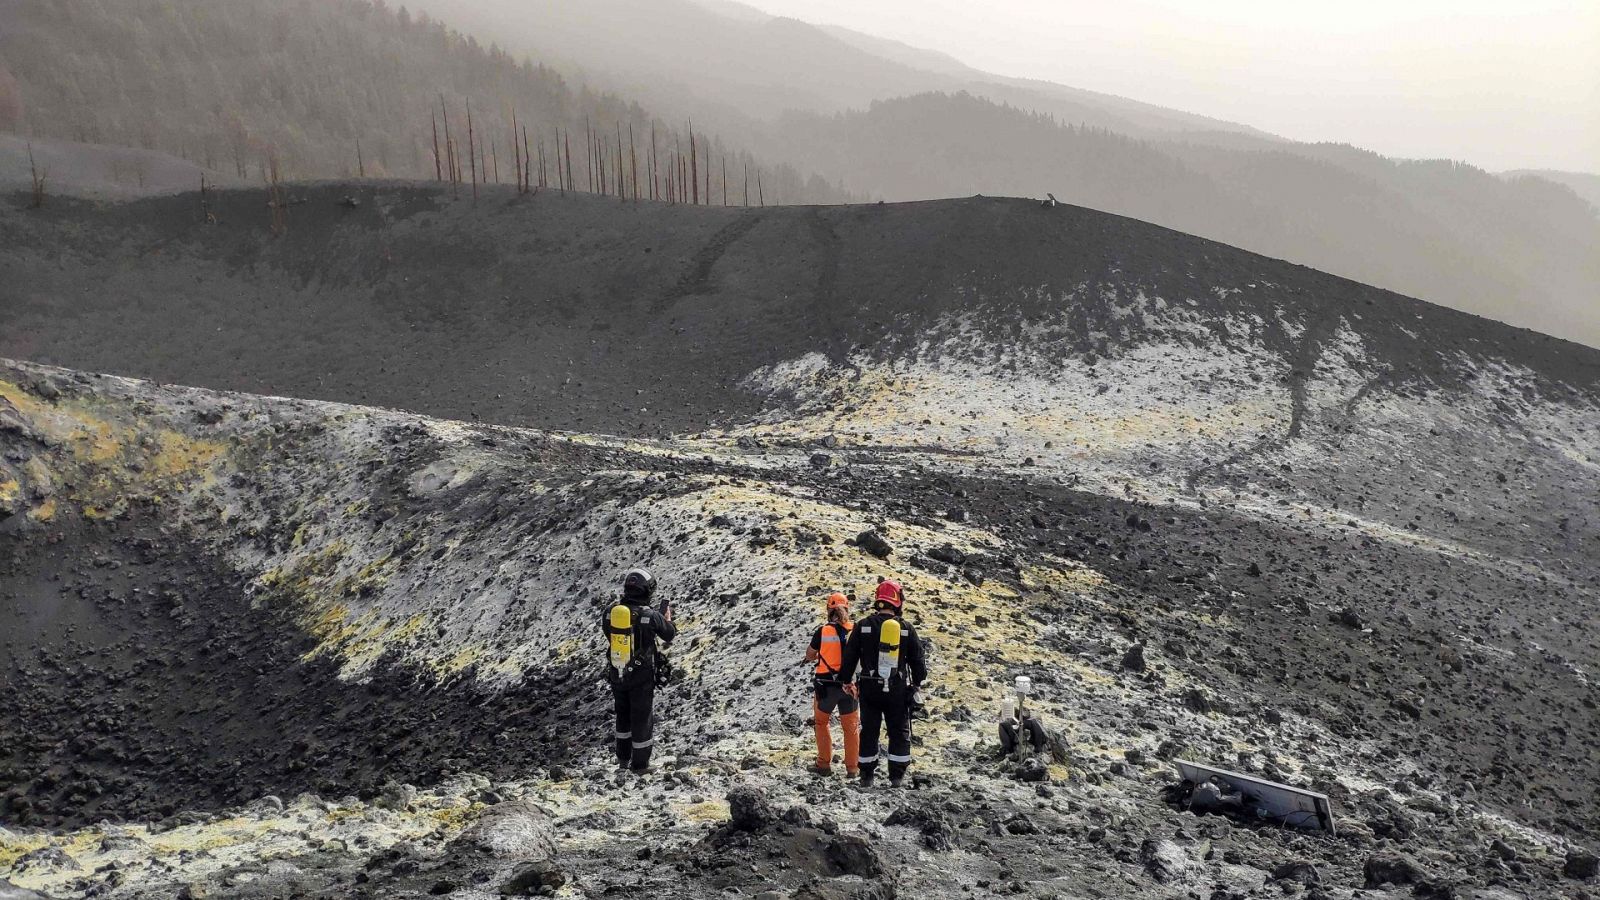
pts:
[331, 88]
[348, 87]
[1521, 250]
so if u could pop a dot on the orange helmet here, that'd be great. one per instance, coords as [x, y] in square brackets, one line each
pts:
[837, 600]
[890, 592]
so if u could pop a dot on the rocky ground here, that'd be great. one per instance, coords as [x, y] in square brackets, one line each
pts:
[1264, 519]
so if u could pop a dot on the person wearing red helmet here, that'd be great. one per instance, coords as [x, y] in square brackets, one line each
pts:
[892, 666]
[827, 652]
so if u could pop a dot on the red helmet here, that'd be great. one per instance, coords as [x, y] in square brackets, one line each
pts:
[890, 592]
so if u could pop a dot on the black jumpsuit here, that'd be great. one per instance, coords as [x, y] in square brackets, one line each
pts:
[634, 691]
[884, 702]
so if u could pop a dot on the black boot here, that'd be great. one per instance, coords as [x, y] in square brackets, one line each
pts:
[897, 774]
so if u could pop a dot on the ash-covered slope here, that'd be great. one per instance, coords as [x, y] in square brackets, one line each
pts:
[584, 313]
[1346, 530]
[98, 170]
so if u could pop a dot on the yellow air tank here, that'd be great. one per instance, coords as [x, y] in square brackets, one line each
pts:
[888, 647]
[621, 636]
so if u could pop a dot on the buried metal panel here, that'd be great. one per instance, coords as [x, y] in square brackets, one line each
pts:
[1294, 806]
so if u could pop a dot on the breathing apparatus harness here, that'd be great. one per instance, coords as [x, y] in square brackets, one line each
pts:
[622, 629]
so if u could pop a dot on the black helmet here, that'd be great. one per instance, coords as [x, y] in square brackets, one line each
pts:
[638, 585]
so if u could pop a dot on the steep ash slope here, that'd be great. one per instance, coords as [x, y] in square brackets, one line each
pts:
[1345, 529]
[585, 313]
[452, 574]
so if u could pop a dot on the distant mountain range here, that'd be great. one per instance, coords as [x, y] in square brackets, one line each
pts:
[821, 114]
[1584, 184]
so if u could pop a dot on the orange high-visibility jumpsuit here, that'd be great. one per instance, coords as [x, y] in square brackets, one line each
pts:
[827, 648]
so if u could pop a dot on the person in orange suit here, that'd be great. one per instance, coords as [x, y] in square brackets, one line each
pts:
[832, 691]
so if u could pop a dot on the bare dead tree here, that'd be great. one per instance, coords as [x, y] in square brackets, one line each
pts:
[694, 171]
[570, 182]
[633, 163]
[472, 151]
[724, 177]
[438, 171]
[588, 151]
[543, 178]
[760, 193]
[279, 209]
[206, 215]
[516, 150]
[37, 178]
[747, 181]
[450, 149]
[527, 164]
[655, 187]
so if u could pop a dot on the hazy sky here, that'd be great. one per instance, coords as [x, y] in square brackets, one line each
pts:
[1506, 84]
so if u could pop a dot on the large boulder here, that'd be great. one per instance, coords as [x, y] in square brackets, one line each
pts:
[847, 887]
[874, 543]
[1581, 864]
[1299, 871]
[44, 860]
[748, 808]
[9, 891]
[1392, 868]
[1165, 861]
[938, 832]
[851, 854]
[516, 829]
[534, 879]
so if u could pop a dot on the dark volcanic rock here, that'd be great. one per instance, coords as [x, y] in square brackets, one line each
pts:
[186, 728]
[44, 859]
[519, 829]
[748, 809]
[1032, 769]
[1298, 871]
[1392, 868]
[532, 879]
[1581, 864]
[851, 854]
[1197, 700]
[849, 887]
[873, 543]
[938, 832]
[1164, 860]
[9, 891]
[1134, 660]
